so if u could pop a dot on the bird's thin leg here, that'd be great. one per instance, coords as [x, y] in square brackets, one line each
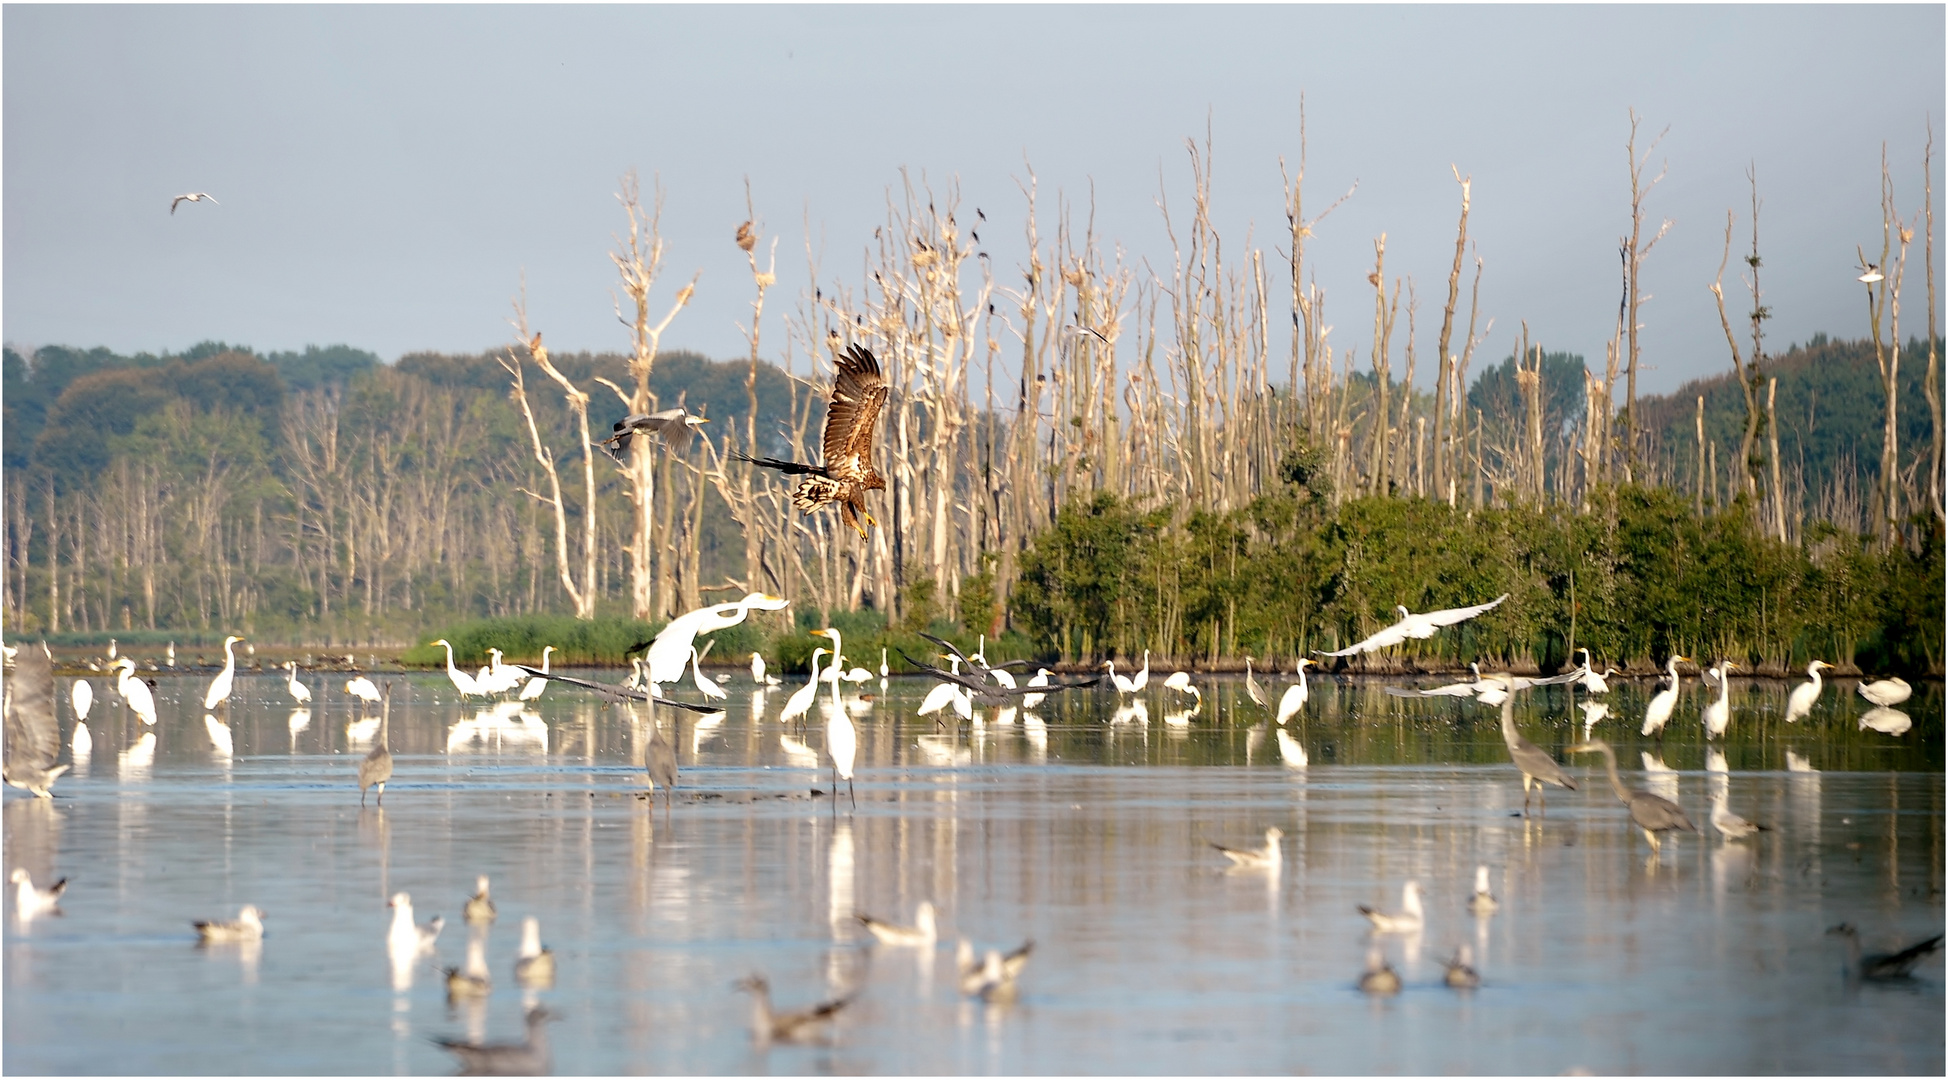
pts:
[1542, 798]
[1525, 794]
[361, 796]
[849, 794]
[1655, 847]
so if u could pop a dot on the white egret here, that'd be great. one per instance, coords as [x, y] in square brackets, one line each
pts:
[705, 683]
[1415, 626]
[220, 686]
[83, 695]
[1718, 714]
[1295, 696]
[945, 694]
[800, 702]
[758, 675]
[1123, 683]
[1408, 920]
[1040, 679]
[1806, 694]
[300, 693]
[1658, 712]
[363, 689]
[463, 682]
[841, 738]
[1180, 682]
[538, 684]
[1589, 679]
[1886, 692]
[858, 674]
[885, 671]
[669, 654]
[135, 692]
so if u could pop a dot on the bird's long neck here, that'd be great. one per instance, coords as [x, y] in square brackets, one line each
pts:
[229, 656]
[1610, 763]
[1813, 670]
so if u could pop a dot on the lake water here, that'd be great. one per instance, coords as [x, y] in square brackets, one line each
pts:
[1081, 827]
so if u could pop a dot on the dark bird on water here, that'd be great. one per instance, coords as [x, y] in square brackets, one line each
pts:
[851, 415]
[528, 1058]
[377, 766]
[1894, 965]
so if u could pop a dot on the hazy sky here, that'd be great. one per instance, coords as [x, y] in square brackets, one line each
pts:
[387, 174]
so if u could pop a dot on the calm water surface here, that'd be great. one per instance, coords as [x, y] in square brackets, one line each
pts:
[1084, 827]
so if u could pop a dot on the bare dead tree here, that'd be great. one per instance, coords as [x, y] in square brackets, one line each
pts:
[582, 595]
[1636, 249]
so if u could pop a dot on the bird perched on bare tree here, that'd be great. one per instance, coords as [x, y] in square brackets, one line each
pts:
[194, 196]
[851, 415]
[747, 237]
[674, 426]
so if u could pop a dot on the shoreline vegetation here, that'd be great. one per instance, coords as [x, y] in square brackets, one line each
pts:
[1086, 459]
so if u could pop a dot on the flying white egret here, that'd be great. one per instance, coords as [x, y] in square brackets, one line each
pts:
[300, 693]
[1718, 714]
[220, 686]
[1658, 712]
[1806, 694]
[537, 684]
[669, 654]
[135, 692]
[800, 701]
[1415, 626]
[1589, 679]
[1295, 695]
[1886, 692]
[463, 682]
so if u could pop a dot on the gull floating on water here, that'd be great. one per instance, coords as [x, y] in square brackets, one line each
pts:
[1729, 824]
[31, 900]
[1259, 858]
[804, 1025]
[993, 978]
[406, 936]
[922, 932]
[1482, 902]
[471, 980]
[1461, 974]
[528, 1058]
[534, 966]
[1409, 920]
[1379, 978]
[480, 906]
[247, 926]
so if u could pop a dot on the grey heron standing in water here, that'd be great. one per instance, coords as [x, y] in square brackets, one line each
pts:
[1653, 814]
[1538, 768]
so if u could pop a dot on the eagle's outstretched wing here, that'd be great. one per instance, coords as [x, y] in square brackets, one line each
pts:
[858, 393]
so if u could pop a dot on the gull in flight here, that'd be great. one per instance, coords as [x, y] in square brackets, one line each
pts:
[194, 196]
[1415, 626]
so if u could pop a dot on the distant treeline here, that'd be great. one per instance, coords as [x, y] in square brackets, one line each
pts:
[324, 495]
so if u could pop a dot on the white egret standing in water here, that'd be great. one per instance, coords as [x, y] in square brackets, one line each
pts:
[800, 701]
[1806, 694]
[1295, 695]
[462, 681]
[1658, 712]
[1718, 714]
[135, 692]
[841, 738]
[220, 686]
[84, 698]
[537, 684]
